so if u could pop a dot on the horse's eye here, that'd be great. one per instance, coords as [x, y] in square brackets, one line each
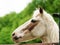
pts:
[33, 21]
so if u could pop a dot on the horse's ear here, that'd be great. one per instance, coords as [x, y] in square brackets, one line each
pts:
[41, 10]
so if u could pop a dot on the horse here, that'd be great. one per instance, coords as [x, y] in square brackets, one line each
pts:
[41, 25]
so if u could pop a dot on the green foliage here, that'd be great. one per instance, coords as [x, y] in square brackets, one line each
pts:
[11, 21]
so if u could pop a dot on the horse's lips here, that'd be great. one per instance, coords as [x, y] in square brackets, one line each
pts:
[24, 39]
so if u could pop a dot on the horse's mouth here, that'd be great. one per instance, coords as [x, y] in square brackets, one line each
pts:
[24, 39]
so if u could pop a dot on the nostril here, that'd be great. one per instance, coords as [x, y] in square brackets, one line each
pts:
[16, 38]
[13, 34]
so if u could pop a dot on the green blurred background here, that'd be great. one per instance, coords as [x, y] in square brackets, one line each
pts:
[11, 21]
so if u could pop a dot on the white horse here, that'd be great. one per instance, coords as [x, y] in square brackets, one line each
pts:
[41, 25]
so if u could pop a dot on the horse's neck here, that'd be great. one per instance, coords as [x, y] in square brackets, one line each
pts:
[47, 16]
[48, 19]
[52, 27]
